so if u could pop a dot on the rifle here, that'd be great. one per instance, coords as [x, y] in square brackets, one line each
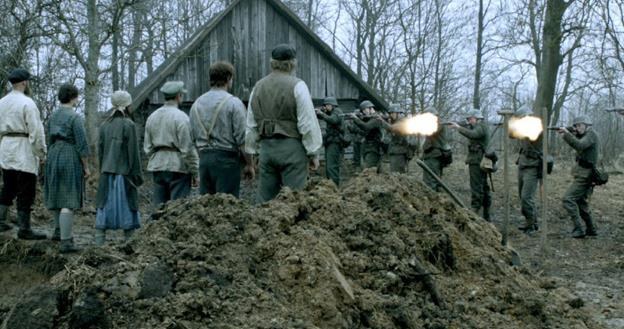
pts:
[570, 129]
[615, 109]
[450, 123]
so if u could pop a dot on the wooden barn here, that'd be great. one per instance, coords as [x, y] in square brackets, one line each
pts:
[244, 34]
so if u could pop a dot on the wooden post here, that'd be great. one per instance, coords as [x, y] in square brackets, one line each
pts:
[506, 114]
[544, 205]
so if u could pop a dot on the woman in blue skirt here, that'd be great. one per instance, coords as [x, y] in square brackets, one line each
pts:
[120, 172]
[66, 167]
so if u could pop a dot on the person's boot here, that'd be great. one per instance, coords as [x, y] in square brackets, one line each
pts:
[56, 236]
[486, 214]
[100, 237]
[25, 232]
[66, 225]
[4, 210]
[577, 232]
[590, 228]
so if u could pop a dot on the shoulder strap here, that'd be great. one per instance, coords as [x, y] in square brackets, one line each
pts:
[214, 118]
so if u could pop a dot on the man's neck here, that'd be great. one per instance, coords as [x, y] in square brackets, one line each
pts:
[171, 103]
[223, 88]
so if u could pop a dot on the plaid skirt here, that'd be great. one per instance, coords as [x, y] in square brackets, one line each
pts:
[116, 213]
[64, 180]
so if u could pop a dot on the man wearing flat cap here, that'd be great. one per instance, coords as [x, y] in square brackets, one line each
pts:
[282, 127]
[22, 149]
[173, 159]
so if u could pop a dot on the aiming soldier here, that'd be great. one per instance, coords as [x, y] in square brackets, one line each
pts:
[576, 199]
[333, 139]
[529, 174]
[400, 151]
[22, 149]
[173, 159]
[478, 136]
[282, 127]
[436, 153]
[372, 125]
[357, 135]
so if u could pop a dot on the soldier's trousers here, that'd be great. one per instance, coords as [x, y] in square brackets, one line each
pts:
[333, 161]
[372, 159]
[398, 163]
[357, 154]
[479, 188]
[527, 186]
[282, 162]
[575, 200]
[436, 166]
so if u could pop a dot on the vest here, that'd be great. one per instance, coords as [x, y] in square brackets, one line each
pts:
[274, 106]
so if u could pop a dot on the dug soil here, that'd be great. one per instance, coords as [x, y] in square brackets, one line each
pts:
[383, 252]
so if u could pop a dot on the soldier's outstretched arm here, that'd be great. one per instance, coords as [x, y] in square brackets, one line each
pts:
[476, 133]
[579, 144]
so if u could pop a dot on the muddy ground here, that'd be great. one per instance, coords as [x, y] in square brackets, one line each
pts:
[565, 283]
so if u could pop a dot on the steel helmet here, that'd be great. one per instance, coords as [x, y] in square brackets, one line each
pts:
[474, 113]
[395, 108]
[582, 119]
[330, 101]
[523, 111]
[366, 104]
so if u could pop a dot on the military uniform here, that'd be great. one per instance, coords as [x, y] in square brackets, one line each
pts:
[333, 140]
[529, 175]
[357, 135]
[479, 138]
[371, 147]
[400, 151]
[282, 122]
[432, 156]
[575, 200]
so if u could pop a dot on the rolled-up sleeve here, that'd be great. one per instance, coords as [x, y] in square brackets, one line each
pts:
[251, 130]
[307, 124]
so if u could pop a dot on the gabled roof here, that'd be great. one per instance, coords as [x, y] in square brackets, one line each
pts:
[168, 67]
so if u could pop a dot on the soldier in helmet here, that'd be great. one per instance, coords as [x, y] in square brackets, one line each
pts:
[478, 139]
[400, 150]
[371, 125]
[529, 174]
[357, 136]
[585, 141]
[333, 139]
[434, 149]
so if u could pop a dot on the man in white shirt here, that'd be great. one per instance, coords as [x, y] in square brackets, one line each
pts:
[282, 127]
[172, 156]
[22, 149]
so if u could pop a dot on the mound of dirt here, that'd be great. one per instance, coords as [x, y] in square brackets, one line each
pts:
[384, 252]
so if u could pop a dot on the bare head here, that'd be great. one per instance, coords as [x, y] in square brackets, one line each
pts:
[221, 75]
[68, 95]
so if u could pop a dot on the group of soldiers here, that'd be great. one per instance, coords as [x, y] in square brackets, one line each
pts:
[278, 137]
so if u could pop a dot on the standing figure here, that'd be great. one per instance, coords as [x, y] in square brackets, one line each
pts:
[529, 175]
[585, 142]
[218, 130]
[66, 167]
[357, 136]
[478, 136]
[400, 151]
[117, 200]
[22, 150]
[282, 127]
[372, 125]
[333, 138]
[435, 148]
[173, 159]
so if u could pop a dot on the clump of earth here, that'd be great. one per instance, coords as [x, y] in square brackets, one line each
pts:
[381, 252]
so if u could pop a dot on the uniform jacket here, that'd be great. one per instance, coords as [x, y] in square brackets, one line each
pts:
[530, 153]
[478, 141]
[435, 143]
[587, 148]
[372, 138]
[333, 132]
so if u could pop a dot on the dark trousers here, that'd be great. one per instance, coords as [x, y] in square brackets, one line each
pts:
[282, 162]
[20, 185]
[576, 200]
[357, 154]
[398, 163]
[170, 186]
[479, 187]
[527, 186]
[219, 172]
[333, 161]
[436, 166]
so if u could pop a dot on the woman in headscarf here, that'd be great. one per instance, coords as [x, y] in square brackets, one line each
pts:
[120, 172]
[66, 167]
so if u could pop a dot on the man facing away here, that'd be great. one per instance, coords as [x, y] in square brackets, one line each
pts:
[22, 149]
[172, 156]
[282, 127]
[218, 129]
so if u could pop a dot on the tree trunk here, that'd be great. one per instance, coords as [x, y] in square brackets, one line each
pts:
[476, 95]
[92, 86]
[551, 56]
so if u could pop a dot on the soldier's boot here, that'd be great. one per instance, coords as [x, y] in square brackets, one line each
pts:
[66, 224]
[590, 228]
[25, 232]
[486, 214]
[128, 234]
[4, 210]
[56, 236]
[577, 232]
[100, 237]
